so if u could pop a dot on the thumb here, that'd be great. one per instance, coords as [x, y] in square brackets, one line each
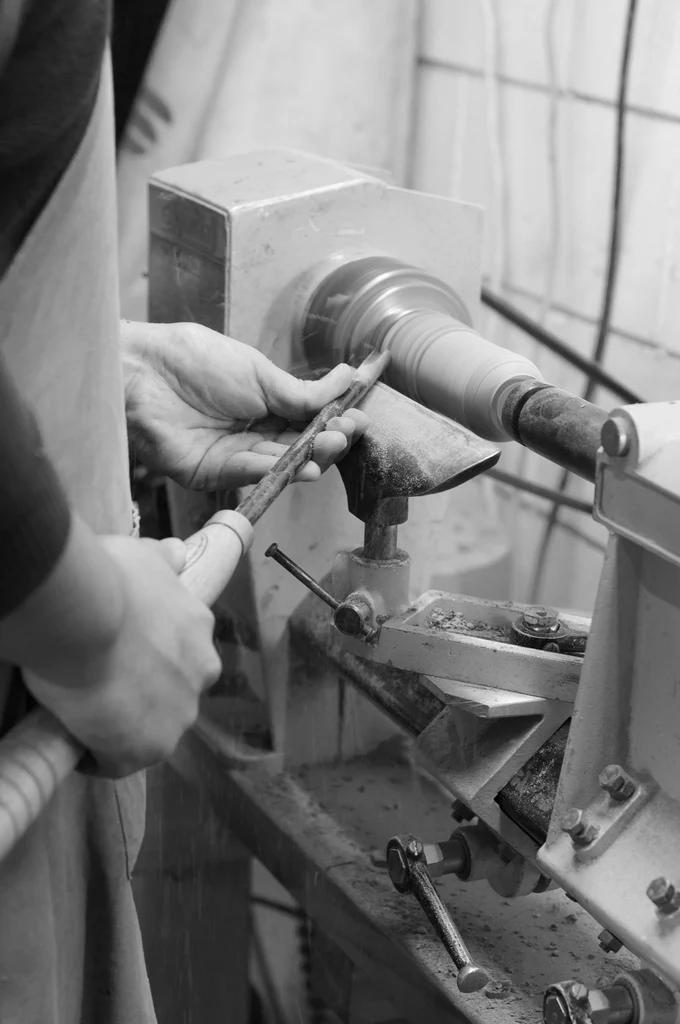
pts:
[174, 552]
[297, 399]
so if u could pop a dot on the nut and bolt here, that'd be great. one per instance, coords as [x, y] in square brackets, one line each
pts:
[540, 620]
[608, 942]
[615, 436]
[664, 895]
[575, 825]
[571, 1001]
[398, 868]
[579, 993]
[617, 782]
[461, 812]
[414, 848]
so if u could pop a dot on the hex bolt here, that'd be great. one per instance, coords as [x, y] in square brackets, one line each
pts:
[570, 1001]
[608, 942]
[414, 848]
[574, 824]
[664, 895]
[398, 868]
[540, 620]
[617, 782]
[615, 436]
[579, 992]
[461, 812]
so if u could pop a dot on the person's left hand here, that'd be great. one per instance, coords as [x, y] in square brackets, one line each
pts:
[214, 414]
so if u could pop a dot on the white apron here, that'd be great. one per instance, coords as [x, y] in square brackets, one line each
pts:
[70, 949]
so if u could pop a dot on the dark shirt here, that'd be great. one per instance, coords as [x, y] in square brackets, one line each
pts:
[50, 60]
[48, 85]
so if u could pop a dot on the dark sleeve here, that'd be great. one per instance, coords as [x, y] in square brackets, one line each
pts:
[34, 513]
[50, 61]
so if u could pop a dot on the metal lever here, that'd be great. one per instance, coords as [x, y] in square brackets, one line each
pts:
[407, 867]
[352, 617]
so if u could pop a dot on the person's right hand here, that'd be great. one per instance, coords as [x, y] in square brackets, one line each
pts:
[130, 698]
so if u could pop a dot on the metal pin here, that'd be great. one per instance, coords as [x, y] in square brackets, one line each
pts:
[273, 551]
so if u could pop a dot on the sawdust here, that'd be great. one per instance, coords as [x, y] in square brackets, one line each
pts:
[452, 621]
[498, 990]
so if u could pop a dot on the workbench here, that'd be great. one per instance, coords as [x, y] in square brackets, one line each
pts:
[317, 831]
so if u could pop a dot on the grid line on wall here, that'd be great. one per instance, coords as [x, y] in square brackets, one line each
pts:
[648, 113]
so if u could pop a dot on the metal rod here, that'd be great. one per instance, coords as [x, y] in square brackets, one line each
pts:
[273, 551]
[561, 427]
[471, 977]
[380, 542]
[424, 891]
[300, 452]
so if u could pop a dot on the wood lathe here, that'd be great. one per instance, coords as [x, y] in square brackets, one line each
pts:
[550, 738]
[553, 736]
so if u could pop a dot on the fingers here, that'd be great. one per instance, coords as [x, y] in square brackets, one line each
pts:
[360, 421]
[328, 446]
[333, 443]
[298, 399]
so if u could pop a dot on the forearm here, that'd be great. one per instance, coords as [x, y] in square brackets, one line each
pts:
[59, 591]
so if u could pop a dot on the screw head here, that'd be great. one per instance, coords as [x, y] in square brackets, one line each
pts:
[414, 848]
[578, 992]
[608, 942]
[615, 781]
[615, 436]
[572, 821]
[574, 824]
[588, 836]
[397, 868]
[540, 620]
[461, 812]
[664, 895]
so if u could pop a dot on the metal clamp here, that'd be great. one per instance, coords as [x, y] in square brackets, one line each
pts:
[353, 616]
[543, 629]
[407, 867]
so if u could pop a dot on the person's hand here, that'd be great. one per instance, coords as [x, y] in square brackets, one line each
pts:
[130, 691]
[215, 414]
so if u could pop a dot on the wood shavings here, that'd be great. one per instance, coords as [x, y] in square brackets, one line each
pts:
[451, 621]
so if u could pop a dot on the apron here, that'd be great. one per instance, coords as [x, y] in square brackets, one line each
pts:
[70, 947]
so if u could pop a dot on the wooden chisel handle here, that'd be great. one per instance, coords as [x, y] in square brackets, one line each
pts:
[38, 754]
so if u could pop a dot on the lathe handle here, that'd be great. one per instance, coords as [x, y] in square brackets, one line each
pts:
[38, 754]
